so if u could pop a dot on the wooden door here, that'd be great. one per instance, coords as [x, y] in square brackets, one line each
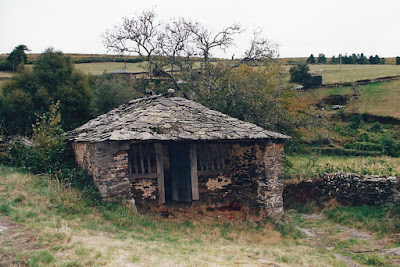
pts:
[179, 157]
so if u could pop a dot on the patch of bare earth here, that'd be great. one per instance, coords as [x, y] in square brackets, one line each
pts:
[344, 241]
[14, 240]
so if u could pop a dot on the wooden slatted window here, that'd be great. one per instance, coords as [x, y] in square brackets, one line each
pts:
[142, 161]
[212, 157]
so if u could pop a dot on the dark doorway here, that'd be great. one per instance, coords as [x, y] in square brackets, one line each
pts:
[179, 157]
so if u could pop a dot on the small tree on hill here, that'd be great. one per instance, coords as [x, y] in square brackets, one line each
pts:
[376, 60]
[300, 74]
[311, 59]
[362, 59]
[321, 59]
[335, 60]
[16, 57]
[397, 60]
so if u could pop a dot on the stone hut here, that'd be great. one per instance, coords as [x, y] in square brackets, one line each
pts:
[162, 149]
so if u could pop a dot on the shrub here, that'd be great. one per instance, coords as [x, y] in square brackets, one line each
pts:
[48, 142]
[45, 151]
[376, 128]
[390, 146]
[111, 92]
[299, 74]
[355, 122]
[53, 78]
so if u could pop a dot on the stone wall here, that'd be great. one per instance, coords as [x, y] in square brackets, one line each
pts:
[107, 162]
[347, 188]
[251, 179]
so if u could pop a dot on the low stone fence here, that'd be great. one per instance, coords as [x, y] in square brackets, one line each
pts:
[347, 188]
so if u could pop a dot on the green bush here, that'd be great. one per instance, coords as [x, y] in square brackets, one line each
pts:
[111, 92]
[299, 74]
[390, 146]
[355, 122]
[31, 91]
[44, 153]
[48, 142]
[376, 128]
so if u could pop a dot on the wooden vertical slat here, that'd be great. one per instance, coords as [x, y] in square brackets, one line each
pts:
[203, 155]
[193, 172]
[198, 159]
[217, 152]
[141, 156]
[223, 155]
[130, 171]
[134, 155]
[148, 155]
[210, 157]
[160, 172]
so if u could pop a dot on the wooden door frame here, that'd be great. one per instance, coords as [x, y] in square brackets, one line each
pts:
[193, 172]
[160, 172]
[194, 179]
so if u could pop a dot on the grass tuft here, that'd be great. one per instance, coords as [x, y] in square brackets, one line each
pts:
[39, 259]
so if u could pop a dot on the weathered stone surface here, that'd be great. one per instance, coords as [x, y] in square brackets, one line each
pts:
[162, 118]
[252, 180]
[347, 188]
[108, 166]
[251, 177]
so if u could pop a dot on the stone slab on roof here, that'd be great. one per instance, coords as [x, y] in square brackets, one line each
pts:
[167, 118]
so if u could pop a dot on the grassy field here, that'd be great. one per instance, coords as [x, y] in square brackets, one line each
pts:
[331, 73]
[2, 82]
[49, 225]
[100, 68]
[6, 74]
[33, 57]
[44, 223]
[97, 68]
[380, 98]
[311, 166]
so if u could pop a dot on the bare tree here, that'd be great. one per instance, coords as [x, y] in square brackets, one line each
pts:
[180, 49]
[173, 48]
[138, 35]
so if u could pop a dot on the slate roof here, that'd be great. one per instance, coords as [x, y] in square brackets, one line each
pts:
[167, 118]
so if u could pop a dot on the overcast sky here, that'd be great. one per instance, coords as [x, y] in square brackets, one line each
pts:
[299, 27]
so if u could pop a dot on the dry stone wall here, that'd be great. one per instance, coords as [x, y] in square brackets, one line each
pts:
[347, 188]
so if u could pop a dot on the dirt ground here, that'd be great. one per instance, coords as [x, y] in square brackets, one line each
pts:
[14, 238]
[345, 242]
